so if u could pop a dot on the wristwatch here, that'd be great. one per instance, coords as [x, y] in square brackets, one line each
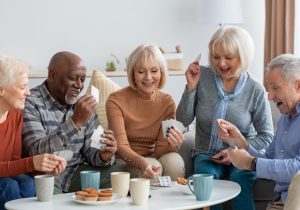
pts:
[253, 164]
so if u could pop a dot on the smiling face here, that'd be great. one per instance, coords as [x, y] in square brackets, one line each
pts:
[147, 78]
[14, 95]
[66, 79]
[285, 95]
[226, 64]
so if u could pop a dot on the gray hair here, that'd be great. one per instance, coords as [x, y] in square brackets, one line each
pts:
[234, 40]
[289, 67]
[140, 56]
[10, 68]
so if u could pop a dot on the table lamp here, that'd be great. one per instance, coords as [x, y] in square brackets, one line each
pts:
[221, 11]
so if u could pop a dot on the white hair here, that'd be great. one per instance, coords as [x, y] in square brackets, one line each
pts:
[10, 68]
[289, 67]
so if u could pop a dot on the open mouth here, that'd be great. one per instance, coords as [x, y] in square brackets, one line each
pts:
[148, 84]
[224, 71]
[72, 96]
[279, 104]
[74, 93]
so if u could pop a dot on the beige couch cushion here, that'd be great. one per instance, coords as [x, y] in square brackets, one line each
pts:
[106, 86]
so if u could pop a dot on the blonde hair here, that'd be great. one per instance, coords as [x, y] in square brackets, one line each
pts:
[10, 68]
[140, 56]
[235, 41]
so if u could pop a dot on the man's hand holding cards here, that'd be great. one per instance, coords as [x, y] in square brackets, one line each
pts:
[96, 138]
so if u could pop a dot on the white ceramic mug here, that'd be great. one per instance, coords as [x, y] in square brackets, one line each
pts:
[139, 191]
[44, 187]
[120, 183]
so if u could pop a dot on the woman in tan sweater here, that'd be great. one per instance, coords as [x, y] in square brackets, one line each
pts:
[135, 114]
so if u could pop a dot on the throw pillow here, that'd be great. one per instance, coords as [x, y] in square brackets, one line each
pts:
[106, 86]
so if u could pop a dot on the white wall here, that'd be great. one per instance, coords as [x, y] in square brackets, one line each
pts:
[34, 30]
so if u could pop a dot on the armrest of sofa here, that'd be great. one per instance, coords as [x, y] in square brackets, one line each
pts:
[185, 152]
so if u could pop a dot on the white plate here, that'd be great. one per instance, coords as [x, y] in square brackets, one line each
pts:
[114, 199]
[183, 188]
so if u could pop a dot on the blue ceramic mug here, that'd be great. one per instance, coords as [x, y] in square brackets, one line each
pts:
[201, 186]
[90, 179]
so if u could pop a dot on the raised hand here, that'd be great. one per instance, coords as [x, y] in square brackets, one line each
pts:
[230, 133]
[110, 149]
[85, 107]
[49, 163]
[175, 137]
[192, 75]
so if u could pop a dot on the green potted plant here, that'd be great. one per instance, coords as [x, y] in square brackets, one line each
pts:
[112, 65]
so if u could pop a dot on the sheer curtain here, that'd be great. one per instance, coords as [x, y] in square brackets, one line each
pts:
[279, 28]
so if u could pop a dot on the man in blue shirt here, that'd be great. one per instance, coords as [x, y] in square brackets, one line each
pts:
[281, 160]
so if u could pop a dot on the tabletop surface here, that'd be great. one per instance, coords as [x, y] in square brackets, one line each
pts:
[168, 198]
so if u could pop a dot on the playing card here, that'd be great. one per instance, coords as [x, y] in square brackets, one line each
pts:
[198, 58]
[96, 137]
[95, 93]
[165, 125]
[231, 144]
[65, 154]
[171, 123]
[165, 181]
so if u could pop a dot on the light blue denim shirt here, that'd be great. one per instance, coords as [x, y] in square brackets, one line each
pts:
[281, 160]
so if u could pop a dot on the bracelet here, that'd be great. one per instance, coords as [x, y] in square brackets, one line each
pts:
[253, 164]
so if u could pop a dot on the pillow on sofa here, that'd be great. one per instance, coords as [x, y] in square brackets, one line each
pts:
[106, 86]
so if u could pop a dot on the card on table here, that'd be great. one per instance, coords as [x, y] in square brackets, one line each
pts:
[65, 154]
[95, 93]
[171, 123]
[96, 138]
[165, 181]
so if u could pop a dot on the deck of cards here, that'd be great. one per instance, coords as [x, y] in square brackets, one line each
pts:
[171, 123]
[96, 138]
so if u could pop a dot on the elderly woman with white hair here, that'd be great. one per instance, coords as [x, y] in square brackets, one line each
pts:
[226, 90]
[14, 182]
[135, 114]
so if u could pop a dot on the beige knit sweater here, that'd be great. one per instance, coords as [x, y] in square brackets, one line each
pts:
[136, 122]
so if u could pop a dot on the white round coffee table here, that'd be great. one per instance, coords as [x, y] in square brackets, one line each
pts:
[162, 199]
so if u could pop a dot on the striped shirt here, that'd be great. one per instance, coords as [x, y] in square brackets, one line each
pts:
[48, 127]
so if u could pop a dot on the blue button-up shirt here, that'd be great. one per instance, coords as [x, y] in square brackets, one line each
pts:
[281, 160]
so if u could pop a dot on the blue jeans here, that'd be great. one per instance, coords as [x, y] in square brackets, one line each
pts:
[244, 178]
[12, 188]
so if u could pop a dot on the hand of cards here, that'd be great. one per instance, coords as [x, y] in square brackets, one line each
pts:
[96, 138]
[171, 123]
[65, 154]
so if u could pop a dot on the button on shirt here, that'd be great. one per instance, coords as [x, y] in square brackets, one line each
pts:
[48, 127]
[281, 160]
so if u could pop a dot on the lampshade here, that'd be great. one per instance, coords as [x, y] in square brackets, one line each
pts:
[221, 11]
